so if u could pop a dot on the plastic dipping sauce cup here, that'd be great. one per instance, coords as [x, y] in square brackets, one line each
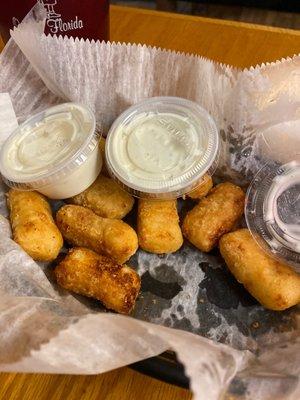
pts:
[161, 148]
[55, 152]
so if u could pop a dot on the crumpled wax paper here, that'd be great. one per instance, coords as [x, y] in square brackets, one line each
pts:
[231, 347]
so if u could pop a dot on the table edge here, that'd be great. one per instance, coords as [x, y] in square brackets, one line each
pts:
[212, 21]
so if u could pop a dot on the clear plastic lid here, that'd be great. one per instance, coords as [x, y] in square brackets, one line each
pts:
[48, 146]
[273, 198]
[161, 147]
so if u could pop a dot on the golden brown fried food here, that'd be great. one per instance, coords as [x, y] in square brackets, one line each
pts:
[33, 226]
[111, 237]
[102, 151]
[158, 226]
[204, 187]
[106, 198]
[215, 215]
[85, 272]
[274, 284]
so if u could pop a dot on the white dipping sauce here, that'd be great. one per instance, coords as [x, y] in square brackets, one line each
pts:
[157, 146]
[55, 152]
[161, 147]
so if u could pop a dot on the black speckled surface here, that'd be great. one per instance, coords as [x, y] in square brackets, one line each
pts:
[194, 291]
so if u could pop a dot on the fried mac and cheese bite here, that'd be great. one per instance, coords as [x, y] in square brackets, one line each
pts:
[85, 272]
[158, 226]
[111, 237]
[33, 226]
[202, 189]
[214, 216]
[106, 198]
[102, 143]
[274, 284]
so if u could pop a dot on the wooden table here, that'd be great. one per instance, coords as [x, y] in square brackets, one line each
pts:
[234, 43]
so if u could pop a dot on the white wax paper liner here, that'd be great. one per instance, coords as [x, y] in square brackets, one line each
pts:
[111, 77]
[46, 330]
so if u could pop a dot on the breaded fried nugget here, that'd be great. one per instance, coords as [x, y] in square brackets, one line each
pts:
[106, 198]
[158, 226]
[111, 237]
[102, 151]
[84, 272]
[215, 215]
[274, 284]
[33, 226]
[204, 187]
